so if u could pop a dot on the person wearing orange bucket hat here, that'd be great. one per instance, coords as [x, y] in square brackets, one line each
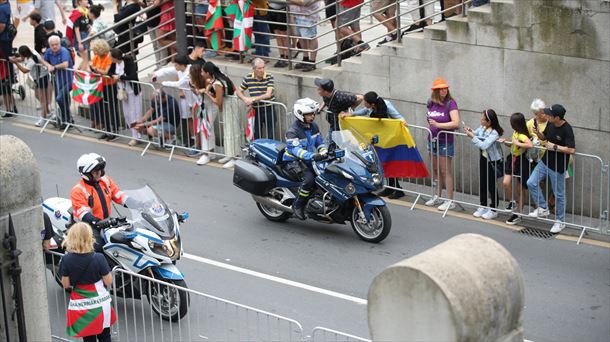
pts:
[443, 115]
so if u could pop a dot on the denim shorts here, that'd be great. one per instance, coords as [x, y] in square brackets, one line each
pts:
[306, 32]
[201, 9]
[441, 149]
[166, 127]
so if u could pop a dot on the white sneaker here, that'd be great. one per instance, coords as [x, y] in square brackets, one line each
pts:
[557, 227]
[490, 215]
[433, 201]
[39, 123]
[480, 212]
[204, 159]
[539, 212]
[446, 205]
[225, 159]
[229, 164]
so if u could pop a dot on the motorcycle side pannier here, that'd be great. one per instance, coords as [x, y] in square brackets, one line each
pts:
[253, 178]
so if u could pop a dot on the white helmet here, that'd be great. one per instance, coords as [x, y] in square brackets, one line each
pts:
[88, 163]
[304, 106]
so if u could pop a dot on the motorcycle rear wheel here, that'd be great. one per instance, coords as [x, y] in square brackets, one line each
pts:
[377, 229]
[273, 214]
[168, 302]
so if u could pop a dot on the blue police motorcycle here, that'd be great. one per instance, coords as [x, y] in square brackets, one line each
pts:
[345, 182]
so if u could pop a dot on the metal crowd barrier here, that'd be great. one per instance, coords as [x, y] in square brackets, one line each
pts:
[207, 318]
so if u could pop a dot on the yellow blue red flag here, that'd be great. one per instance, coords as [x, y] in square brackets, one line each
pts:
[396, 148]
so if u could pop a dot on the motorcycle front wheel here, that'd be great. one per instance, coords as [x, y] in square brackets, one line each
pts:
[168, 302]
[376, 229]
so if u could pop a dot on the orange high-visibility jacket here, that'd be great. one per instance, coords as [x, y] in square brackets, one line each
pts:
[85, 198]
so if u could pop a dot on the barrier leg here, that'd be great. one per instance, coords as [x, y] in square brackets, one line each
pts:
[145, 149]
[415, 202]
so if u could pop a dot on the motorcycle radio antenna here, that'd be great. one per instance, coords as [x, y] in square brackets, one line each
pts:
[57, 189]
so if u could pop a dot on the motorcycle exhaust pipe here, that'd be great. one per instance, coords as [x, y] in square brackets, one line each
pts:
[272, 202]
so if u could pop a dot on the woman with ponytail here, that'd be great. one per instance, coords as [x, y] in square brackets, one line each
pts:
[126, 72]
[377, 107]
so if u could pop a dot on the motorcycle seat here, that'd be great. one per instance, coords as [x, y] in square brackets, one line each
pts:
[119, 237]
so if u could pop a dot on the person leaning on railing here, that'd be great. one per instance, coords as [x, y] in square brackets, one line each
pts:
[260, 86]
[30, 62]
[59, 63]
[335, 101]
[105, 112]
[560, 144]
[485, 137]
[377, 107]
[7, 74]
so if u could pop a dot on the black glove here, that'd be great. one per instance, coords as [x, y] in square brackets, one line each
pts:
[318, 156]
[102, 224]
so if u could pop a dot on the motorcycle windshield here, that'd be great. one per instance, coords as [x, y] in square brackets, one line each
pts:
[149, 211]
[357, 149]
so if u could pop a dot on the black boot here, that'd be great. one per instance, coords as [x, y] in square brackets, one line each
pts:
[298, 207]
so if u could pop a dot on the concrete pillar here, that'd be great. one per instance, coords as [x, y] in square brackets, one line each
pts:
[20, 196]
[468, 288]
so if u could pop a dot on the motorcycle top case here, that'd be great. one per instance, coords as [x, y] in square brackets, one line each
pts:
[252, 178]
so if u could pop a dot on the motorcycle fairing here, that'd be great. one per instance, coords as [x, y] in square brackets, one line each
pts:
[368, 202]
[132, 259]
[168, 271]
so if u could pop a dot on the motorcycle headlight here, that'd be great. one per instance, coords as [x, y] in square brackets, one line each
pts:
[376, 179]
[346, 175]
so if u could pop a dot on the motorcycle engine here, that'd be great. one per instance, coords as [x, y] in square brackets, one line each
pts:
[315, 206]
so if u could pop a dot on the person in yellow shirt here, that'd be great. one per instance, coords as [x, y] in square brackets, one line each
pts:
[539, 121]
[517, 164]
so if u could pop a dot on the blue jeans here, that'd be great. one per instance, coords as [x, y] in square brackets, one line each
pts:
[558, 181]
[261, 36]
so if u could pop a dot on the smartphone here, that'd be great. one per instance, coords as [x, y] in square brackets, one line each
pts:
[535, 123]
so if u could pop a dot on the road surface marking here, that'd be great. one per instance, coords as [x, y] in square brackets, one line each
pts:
[275, 279]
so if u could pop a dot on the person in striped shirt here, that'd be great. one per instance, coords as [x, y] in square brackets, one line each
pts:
[260, 87]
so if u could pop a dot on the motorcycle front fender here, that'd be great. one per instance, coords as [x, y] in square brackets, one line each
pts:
[168, 271]
[368, 202]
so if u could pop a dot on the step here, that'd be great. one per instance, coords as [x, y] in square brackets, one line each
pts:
[460, 30]
[480, 15]
[436, 31]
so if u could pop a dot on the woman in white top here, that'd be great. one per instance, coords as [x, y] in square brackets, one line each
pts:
[126, 72]
[30, 62]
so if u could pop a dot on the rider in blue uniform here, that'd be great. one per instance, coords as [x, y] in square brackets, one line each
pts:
[304, 142]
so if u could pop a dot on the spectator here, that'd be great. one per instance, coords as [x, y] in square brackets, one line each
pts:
[261, 28]
[385, 12]
[539, 121]
[46, 9]
[306, 17]
[418, 16]
[75, 3]
[40, 35]
[187, 98]
[164, 112]
[377, 107]
[485, 137]
[260, 86]
[105, 111]
[337, 102]
[80, 31]
[196, 55]
[349, 23]
[57, 60]
[87, 273]
[99, 25]
[24, 9]
[200, 9]
[277, 17]
[443, 115]
[218, 85]
[166, 33]
[30, 62]
[152, 22]
[517, 164]
[130, 8]
[449, 8]
[7, 74]
[560, 144]
[126, 71]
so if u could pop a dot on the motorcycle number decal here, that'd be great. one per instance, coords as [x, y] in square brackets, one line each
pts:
[295, 142]
[57, 214]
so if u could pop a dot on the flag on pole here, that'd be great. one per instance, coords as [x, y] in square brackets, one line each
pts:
[90, 310]
[242, 14]
[396, 148]
[214, 25]
[87, 88]
[251, 119]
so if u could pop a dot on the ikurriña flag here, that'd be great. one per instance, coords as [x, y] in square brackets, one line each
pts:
[241, 12]
[214, 25]
[87, 88]
[90, 310]
[396, 148]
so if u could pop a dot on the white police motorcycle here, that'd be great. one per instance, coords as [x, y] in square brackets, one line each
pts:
[149, 244]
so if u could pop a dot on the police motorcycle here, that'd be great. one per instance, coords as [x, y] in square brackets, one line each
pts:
[149, 243]
[345, 181]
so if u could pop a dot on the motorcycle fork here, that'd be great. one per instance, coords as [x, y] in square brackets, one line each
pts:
[359, 206]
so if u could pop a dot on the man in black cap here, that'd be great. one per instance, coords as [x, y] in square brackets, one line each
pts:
[336, 101]
[560, 145]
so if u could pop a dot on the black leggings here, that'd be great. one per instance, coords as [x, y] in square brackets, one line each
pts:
[103, 337]
[487, 183]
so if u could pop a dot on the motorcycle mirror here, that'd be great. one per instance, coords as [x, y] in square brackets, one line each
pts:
[374, 140]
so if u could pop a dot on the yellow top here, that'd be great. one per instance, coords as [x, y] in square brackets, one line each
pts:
[24, 1]
[514, 149]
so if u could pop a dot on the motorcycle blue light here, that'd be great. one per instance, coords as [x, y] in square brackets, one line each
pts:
[340, 153]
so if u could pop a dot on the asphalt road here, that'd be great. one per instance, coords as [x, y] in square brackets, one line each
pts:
[567, 285]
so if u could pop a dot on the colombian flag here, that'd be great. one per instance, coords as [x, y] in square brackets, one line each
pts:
[396, 148]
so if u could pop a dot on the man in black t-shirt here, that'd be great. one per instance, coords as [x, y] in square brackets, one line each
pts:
[560, 145]
[336, 101]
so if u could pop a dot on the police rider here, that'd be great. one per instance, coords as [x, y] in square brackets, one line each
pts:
[304, 142]
[91, 196]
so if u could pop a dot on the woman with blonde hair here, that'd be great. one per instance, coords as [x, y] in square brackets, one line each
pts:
[106, 110]
[87, 273]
